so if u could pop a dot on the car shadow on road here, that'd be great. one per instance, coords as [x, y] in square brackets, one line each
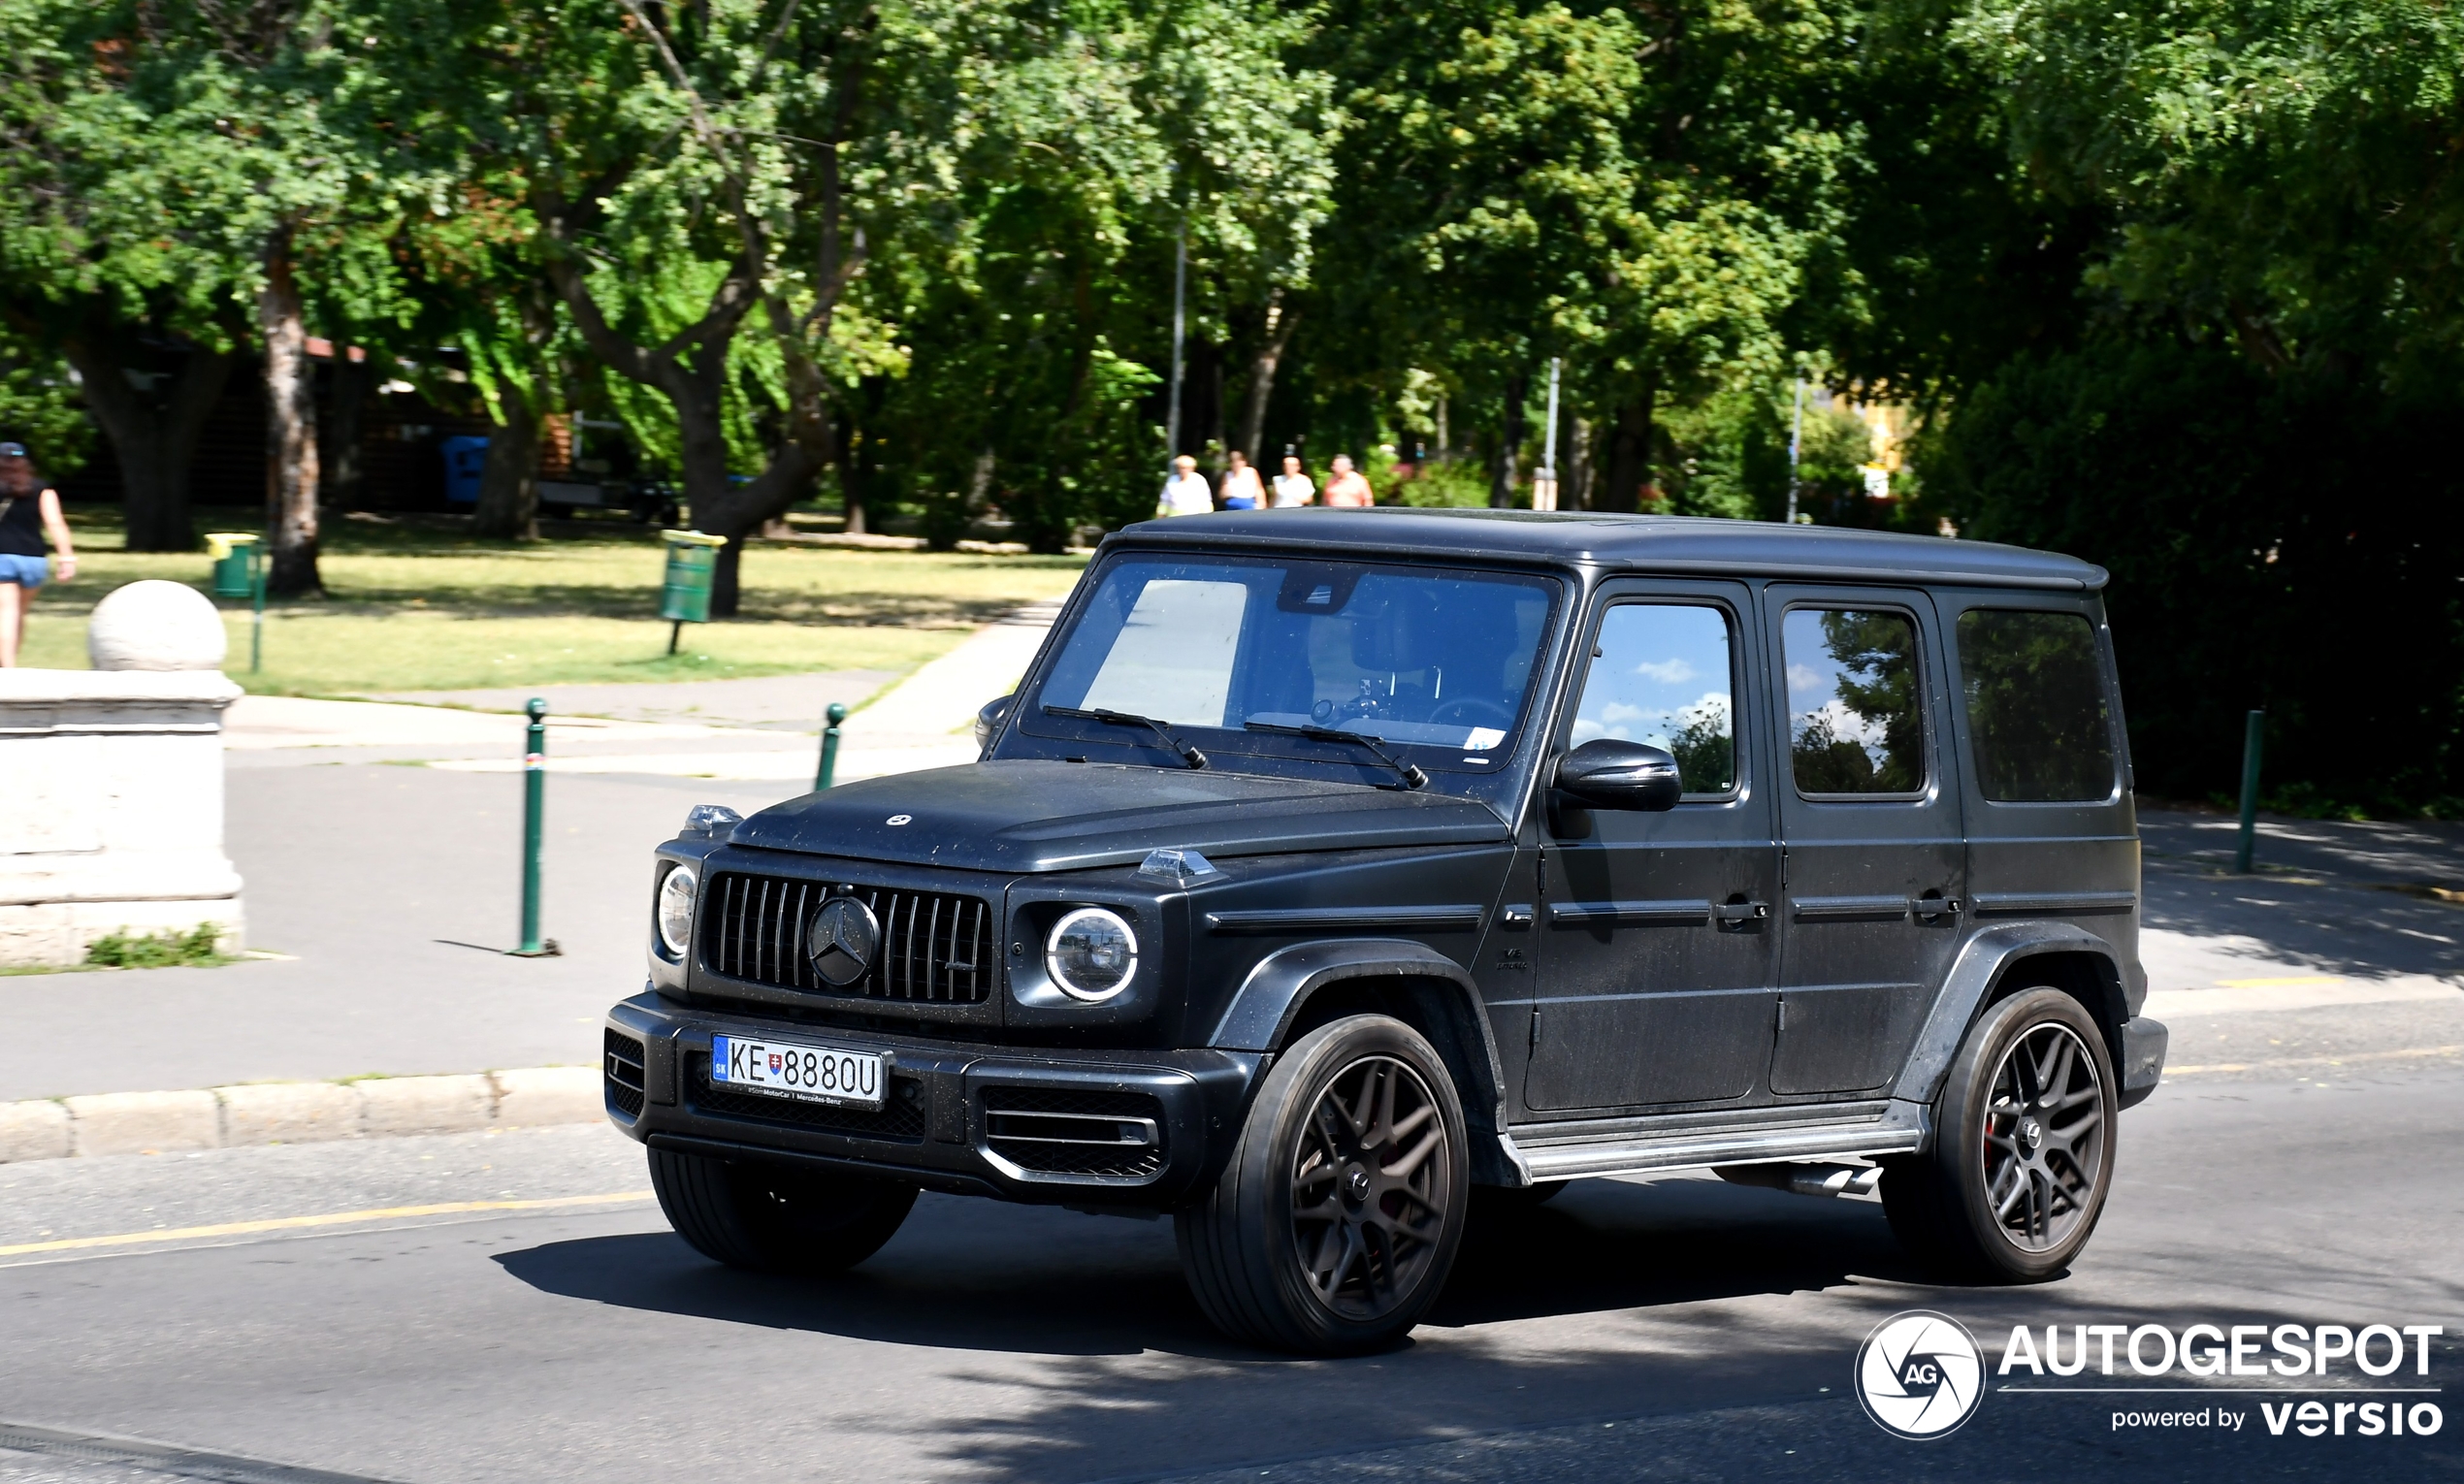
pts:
[972, 1275]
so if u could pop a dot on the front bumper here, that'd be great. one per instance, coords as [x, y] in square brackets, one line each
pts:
[1135, 1128]
[2143, 1044]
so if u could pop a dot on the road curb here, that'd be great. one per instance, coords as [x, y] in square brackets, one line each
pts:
[97, 1124]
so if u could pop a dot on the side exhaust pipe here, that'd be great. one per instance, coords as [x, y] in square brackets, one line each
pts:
[1805, 1180]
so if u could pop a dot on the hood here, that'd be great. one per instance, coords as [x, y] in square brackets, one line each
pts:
[1030, 815]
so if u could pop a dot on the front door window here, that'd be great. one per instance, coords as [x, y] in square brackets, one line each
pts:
[1664, 676]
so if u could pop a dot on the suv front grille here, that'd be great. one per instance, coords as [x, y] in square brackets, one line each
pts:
[1083, 1134]
[901, 1116]
[935, 946]
[623, 1064]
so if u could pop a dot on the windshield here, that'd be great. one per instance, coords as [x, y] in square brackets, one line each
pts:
[1427, 659]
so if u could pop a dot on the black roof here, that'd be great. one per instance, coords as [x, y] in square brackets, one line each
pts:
[1644, 543]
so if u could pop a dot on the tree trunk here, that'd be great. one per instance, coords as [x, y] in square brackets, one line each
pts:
[290, 428]
[1503, 471]
[509, 507]
[153, 433]
[1279, 335]
[346, 386]
[1629, 457]
[853, 485]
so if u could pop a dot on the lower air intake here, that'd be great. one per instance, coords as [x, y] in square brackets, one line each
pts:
[1068, 1134]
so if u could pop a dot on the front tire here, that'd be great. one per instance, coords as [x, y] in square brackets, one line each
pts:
[776, 1219]
[2023, 1147]
[1339, 1215]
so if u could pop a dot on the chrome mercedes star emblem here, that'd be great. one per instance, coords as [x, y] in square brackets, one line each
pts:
[900, 819]
[842, 940]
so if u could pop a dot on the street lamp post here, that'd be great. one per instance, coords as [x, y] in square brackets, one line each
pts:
[1545, 481]
[1180, 326]
[1795, 442]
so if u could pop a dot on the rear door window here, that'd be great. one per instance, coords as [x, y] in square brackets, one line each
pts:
[2036, 712]
[1856, 708]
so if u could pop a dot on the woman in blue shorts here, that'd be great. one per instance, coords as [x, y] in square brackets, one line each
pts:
[28, 509]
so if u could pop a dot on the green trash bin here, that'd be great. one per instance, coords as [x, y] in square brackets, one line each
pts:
[233, 557]
[692, 563]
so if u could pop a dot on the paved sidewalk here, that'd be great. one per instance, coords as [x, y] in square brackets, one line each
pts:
[2326, 920]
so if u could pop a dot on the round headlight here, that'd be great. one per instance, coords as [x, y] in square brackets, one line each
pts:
[675, 909]
[1091, 953]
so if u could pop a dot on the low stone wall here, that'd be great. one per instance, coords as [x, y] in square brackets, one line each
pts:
[111, 809]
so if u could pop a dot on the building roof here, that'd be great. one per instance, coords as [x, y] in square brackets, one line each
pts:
[1641, 543]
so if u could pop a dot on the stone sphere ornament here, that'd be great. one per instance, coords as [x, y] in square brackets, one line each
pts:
[155, 625]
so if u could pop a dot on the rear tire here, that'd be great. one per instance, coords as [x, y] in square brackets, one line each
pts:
[1339, 1215]
[2023, 1147]
[776, 1219]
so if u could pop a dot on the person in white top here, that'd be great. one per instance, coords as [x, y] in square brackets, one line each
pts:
[1241, 489]
[1292, 487]
[1185, 493]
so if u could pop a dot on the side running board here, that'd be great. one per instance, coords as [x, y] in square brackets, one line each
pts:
[1904, 1129]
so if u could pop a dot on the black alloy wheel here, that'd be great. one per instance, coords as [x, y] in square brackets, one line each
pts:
[2023, 1146]
[1370, 1191]
[2044, 1138]
[1338, 1216]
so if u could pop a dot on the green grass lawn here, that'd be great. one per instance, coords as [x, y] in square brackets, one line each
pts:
[416, 606]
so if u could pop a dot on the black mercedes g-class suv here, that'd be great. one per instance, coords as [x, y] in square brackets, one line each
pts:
[1328, 865]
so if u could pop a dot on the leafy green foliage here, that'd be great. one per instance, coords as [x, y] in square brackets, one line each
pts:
[2285, 544]
[199, 948]
[38, 406]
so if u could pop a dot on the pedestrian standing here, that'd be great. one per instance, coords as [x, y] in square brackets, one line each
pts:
[1185, 493]
[1346, 484]
[1292, 487]
[1241, 488]
[29, 508]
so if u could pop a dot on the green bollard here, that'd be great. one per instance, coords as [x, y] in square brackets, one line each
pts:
[534, 824]
[2253, 729]
[838, 712]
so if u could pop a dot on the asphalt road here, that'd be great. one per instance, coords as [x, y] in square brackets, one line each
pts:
[1676, 1330]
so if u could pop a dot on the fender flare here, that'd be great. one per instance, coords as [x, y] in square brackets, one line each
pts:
[1981, 964]
[1270, 998]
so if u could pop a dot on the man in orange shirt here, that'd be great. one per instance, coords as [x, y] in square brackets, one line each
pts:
[1346, 486]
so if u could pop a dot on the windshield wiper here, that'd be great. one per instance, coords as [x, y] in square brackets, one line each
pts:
[1189, 754]
[1412, 777]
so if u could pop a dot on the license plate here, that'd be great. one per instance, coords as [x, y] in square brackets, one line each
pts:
[808, 1074]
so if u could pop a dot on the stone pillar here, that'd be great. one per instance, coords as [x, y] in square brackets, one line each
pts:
[110, 784]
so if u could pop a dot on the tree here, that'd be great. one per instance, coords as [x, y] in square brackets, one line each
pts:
[2191, 313]
[1641, 190]
[86, 273]
[201, 169]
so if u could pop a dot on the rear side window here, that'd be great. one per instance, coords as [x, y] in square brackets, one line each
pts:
[1856, 714]
[2035, 707]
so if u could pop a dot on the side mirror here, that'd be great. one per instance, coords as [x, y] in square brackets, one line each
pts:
[1609, 774]
[988, 721]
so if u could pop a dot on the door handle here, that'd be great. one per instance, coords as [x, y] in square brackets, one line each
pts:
[1933, 904]
[1738, 914]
